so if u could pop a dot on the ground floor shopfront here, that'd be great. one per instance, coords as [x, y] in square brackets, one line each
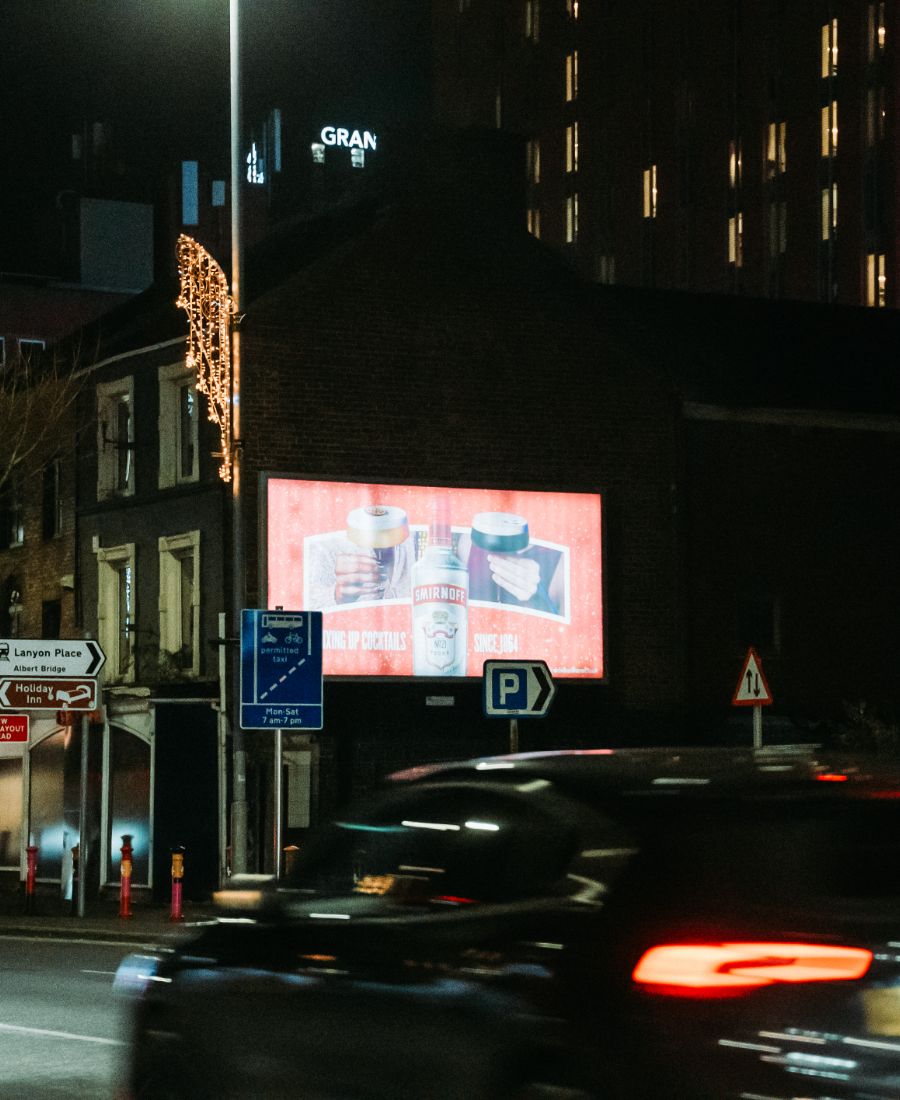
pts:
[152, 770]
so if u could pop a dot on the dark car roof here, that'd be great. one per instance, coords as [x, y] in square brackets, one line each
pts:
[694, 772]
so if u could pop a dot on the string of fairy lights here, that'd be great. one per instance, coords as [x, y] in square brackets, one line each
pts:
[206, 299]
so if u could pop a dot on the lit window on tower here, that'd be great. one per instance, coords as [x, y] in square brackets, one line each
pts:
[829, 129]
[572, 218]
[572, 147]
[829, 49]
[571, 76]
[876, 280]
[650, 192]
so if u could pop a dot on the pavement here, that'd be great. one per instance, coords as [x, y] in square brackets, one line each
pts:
[53, 917]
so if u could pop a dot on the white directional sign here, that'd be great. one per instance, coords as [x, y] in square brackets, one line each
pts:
[752, 688]
[40, 657]
[517, 689]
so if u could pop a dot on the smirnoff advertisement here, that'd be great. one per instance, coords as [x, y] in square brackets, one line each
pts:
[429, 581]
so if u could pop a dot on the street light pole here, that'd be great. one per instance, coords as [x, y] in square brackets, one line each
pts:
[239, 755]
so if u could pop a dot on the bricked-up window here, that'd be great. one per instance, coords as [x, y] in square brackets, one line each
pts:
[12, 513]
[179, 422]
[179, 600]
[115, 438]
[51, 501]
[51, 618]
[117, 609]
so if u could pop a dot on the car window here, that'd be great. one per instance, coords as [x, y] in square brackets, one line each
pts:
[453, 846]
[735, 857]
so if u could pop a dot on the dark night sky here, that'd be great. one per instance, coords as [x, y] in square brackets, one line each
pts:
[157, 72]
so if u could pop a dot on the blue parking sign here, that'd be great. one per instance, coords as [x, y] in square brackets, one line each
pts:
[517, 689]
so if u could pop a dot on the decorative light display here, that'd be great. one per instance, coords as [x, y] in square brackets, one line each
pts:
[205, 298]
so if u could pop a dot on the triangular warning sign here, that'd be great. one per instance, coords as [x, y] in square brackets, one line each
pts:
[752, 689]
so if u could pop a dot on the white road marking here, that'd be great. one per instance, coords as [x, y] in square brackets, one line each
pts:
[72, 939]
[111, 973]
[47, 1034]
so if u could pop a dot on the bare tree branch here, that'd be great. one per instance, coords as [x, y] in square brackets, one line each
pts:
[36, 395]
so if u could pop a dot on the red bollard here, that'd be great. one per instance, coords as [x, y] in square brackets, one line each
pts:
[31, 876]
[177, 876]
[125, 877]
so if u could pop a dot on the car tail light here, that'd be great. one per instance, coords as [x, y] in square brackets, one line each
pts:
[709, 969]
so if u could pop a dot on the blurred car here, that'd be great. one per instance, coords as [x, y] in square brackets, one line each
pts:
[633, 923]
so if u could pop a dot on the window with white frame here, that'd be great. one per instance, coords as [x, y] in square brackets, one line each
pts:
[179, 419]
[115, 438]
[117, 609]
[179, 601]
[12, 510]
[29, 347]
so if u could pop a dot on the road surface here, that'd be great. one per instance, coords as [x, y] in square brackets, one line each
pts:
[61, 1027]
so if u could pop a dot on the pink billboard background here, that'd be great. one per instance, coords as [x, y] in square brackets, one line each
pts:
[541, 600]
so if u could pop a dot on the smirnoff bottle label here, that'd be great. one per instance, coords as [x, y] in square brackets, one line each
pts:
[440, 608]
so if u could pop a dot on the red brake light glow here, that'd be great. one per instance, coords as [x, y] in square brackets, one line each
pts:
[832, 777]
[723, 968]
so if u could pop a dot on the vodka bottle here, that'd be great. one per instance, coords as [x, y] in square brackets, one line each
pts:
[440, 606]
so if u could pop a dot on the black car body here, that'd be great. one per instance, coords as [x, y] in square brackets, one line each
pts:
[629, 923]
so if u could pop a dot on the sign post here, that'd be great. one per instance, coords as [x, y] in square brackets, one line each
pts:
[516, 689]
[753, 691]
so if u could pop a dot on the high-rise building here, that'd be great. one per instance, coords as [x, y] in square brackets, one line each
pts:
[726, 146]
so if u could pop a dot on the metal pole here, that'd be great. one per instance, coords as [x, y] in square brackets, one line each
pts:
[222, 749]
[239, 755]
[514, 735]
[82, 815]
[757, 728]
[278, 786]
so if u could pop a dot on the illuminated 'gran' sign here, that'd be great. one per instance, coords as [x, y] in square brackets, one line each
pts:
[349, 139]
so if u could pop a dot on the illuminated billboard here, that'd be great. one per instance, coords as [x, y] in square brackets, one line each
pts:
[417, 580]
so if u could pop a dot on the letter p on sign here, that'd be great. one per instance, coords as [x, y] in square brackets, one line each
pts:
[510, 685]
